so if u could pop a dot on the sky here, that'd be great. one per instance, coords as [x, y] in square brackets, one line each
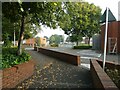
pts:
[111, 4]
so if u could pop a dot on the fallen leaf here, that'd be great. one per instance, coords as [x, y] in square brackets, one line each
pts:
[45, 79]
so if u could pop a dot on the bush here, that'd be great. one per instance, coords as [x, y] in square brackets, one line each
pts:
[7, 43]
[54, 45]
[9, 57]
[6, 50]
[82, 47]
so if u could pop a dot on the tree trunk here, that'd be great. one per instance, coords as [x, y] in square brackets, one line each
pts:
[89, 41]
[77, 43]
[19, 51]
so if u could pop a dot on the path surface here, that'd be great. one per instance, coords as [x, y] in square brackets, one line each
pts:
[53, 73]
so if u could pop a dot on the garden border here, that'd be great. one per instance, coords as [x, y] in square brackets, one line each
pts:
[109, 65]
[100, 79]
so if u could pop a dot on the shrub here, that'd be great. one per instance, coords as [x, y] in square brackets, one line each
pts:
[9, 57]
[7, 43]
[54, 45]
[82, 47]
[6, 50]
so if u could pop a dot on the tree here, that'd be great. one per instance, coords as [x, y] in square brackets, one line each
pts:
[61, 38]
[68, 39]
[56, 39]
[30, 12]
[94, 26]
[75, 38]
[52, 39]
[79, 19]
[8, 31]
[9, 28]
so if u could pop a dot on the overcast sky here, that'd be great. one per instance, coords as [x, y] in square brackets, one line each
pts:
[112, 4]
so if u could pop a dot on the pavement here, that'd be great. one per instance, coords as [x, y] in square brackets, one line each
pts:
[53, 73]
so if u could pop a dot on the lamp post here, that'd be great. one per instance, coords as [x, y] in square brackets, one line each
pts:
[105, 42]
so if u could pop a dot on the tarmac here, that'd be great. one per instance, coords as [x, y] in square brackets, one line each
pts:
[53, 73]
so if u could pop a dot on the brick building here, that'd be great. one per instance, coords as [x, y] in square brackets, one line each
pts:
[113, 44]
[35, 41]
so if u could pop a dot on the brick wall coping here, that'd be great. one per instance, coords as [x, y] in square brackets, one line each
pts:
[100, 79]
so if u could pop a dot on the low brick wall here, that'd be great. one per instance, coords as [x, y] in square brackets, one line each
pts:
[16, 74]
[100, 79]
[73, 59]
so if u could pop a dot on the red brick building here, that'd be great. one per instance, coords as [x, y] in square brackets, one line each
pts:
[33, 41]
[113, 44]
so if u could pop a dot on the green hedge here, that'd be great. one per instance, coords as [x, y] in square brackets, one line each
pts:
[9, 57]
[82, 47]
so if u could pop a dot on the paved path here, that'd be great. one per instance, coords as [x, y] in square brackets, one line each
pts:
[53, 73]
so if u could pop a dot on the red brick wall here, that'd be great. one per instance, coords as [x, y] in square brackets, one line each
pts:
[16, 74]
[72, 59]
[112, 32]
[100, 79]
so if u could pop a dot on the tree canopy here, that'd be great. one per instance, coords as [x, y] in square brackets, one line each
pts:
[76, 18]
[32, 13]
[56, 39]
[80, 19]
